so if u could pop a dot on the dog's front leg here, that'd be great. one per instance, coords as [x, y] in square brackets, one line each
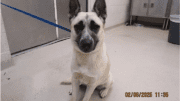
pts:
[75, 87]
[89, 90]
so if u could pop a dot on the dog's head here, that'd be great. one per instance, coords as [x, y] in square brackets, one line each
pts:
[87, 28]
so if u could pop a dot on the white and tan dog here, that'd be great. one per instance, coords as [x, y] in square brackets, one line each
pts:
[90, 63]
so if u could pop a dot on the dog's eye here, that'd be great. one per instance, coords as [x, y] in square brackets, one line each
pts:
[79, 27]
[94, 27]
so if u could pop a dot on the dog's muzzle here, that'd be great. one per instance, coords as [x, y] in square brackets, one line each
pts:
[86, 44]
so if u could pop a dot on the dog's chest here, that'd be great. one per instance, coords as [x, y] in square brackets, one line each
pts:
[84, 79]
[88, 70]
[91, 67]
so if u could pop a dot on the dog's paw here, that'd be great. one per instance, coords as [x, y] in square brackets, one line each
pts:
[70, 92]
[103, 93]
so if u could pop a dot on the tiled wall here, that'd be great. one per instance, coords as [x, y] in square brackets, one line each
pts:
[117, 11]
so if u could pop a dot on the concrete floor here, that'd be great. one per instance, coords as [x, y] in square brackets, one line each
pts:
[141, 61]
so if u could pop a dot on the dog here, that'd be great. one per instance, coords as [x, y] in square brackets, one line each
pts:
[90, 62]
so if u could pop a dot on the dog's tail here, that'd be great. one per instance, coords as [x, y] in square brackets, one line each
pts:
[67, 82]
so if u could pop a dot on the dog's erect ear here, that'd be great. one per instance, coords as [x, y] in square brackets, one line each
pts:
[100, 9]
[74, 8]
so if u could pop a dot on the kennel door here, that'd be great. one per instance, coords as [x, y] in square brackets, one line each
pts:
[23, 29]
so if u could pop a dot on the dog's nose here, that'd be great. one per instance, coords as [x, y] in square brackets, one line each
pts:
[86, 45]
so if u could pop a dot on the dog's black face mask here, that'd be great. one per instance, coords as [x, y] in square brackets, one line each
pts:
[87, 38]
[87, 30]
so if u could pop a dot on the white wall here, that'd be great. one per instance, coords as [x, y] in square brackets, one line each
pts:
[117, 11]
[175, 7]
[5, 52]
[6, 60]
